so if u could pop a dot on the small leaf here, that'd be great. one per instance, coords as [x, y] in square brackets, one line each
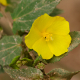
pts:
[26, 59]
[56, 12]
[13, 63]
[61, 74]
[40, 66]
[28, 10]
[12, 4]
[14, 60]
[39, 59]
[30, 50]
[75, 42]
[9, 49]
[25, 74]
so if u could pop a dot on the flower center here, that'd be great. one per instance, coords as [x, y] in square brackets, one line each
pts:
[47, 36]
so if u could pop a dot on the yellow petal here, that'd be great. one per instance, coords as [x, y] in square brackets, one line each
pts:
[4, 2]
[41, 47]
[60, 26]
[43, 22]
[32, 37]
[60, 44]
[49, 36]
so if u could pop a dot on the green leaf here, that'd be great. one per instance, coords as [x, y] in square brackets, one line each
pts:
[12, 5]
[24, 74]
[28, 10]
[61, 74]
[14, 60]
[13, 63]
[56, 12]
[26, 59]
[39, 59]
[75, 42]
[9, 49]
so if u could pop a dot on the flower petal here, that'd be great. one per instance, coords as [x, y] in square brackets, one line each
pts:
[55, 30]
[41, 47]
[32, 37]
[43, 22]
[60, 44]
[60, 26]
[4, 2]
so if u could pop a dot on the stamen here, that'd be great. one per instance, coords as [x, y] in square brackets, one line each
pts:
[47, 36]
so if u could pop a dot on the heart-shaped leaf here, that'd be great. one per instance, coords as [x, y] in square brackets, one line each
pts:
[28, 10]
[25, 74]
[61, 74]
[9, 49]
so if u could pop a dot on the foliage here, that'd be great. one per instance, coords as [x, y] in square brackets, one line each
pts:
[27, 73]
[12, 5]
[9, 49]
[61, 74]
[24, 15]
[14, 53]
[55, 12]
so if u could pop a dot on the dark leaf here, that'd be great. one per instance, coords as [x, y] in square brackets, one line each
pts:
[24, 74]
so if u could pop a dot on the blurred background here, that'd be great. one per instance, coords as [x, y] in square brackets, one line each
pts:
[72, 61]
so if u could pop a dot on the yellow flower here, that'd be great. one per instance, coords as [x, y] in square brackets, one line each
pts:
[4, 2]
[49, 36]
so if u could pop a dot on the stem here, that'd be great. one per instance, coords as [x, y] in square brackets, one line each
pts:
[32, 55]
[4, 14]
[22, 55]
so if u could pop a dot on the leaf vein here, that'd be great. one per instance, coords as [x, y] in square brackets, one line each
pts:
[33, 11]
[9, 48]
[24, 8]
